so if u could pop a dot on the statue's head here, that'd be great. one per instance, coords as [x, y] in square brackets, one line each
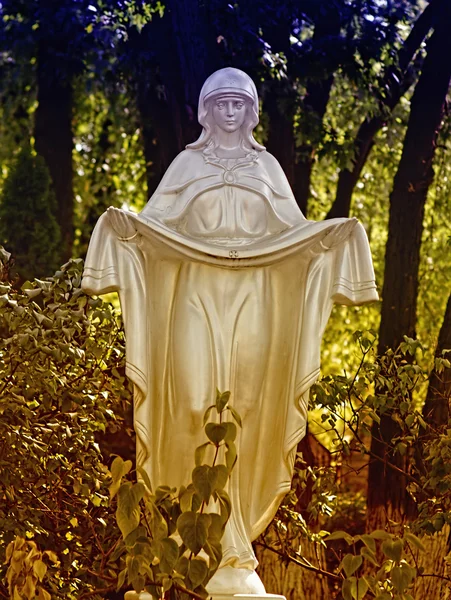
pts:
[223, 87]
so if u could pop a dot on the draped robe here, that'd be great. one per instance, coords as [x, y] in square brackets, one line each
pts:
[226, 285]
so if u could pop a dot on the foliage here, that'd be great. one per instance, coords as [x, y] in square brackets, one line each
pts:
[27, 569]
[62, 391]
[62, 394]
[383, 564]
[168, 535]
[28, 227]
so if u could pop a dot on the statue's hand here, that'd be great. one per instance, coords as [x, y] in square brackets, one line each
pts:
[339, 233]
[121, 224]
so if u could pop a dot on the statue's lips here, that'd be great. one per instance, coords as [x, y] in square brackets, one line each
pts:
[287, 242]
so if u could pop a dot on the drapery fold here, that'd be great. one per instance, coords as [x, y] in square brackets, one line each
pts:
[248, 319]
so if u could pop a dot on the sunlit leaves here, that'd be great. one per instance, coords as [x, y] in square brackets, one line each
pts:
[164, 533]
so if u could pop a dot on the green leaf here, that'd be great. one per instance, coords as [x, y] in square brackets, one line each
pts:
[202, 482]
[207, 414]
[133, 566]
[369, 555]
[392, 549]
[379, 534]
[167, 551]
[121, 579]
[339, 535]
[216, 529]
[415, 541]
[368, 541]
[346, 588]
[231, 432]
[213, 549]
[119, 469]
[157, 523]
[400, 578]
[197, 571]
[193, 529]
[128, 512]
[359, 588]
[235, 415]
[39, 569]
[199, 454]
[216, 432]
[221, 400]
[218, 476]
[167, 584]
[225, 506]
[351, 563]
[145, 477]
[181, 566]
[231, 455]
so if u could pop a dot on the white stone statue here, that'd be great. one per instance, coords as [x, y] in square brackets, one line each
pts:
[224, 284]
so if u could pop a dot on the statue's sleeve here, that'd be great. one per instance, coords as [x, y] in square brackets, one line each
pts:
[116, 265]
[353, 274]
[101, 272]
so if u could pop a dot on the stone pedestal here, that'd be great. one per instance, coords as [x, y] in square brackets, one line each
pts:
[147, 596]
[228, 583]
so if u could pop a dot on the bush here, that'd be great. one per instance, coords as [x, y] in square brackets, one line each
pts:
[28, 226]
[62, 390]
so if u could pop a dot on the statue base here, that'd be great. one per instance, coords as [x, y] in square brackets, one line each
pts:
[228, 583]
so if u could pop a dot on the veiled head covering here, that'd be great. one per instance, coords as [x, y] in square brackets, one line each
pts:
[228, 81]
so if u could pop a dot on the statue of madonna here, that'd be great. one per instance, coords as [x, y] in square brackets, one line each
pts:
[224, 284]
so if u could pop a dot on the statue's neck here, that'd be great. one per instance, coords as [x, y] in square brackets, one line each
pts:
[236, 152]
[227, 139]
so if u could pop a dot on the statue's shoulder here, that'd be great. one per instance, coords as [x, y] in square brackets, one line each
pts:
[268, 160]
[188, 156]
[183, 166]
[274, 172]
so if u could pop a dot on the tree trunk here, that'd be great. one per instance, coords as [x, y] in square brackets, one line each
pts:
[397, 81]
[387, 496]
[436, 413]
[53, 137]
[291, 580]
[436, 407]
[279, 105]
[160, 141]
[288, 578]
[315, 104]
[167, 96]
[432, 560]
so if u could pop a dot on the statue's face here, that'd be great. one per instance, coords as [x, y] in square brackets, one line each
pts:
[229, 112]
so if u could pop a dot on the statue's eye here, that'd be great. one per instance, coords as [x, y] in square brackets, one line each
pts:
[220, 105]
[239, 104]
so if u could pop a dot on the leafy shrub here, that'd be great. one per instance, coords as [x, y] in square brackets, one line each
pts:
[62, 388]
[28, 226]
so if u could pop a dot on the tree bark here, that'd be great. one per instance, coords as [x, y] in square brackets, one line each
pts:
[291, 580]
[315, 105]
[279, 105]
[436, 413]
[54, 138]
[387, 495]
[436, 407]
[396, 81]
[167, 96]
[432, 560]
[287, 578]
